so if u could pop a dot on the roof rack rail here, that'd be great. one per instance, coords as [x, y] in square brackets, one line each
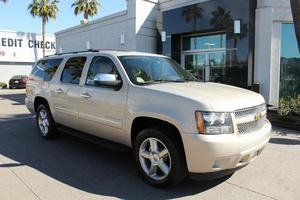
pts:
[85, 51]
[112, 49]
[74, 52]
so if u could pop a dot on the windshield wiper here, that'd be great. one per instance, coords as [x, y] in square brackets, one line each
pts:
[173, 81]
[164, 81]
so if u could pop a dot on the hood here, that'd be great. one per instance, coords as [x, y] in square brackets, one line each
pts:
[218, 97]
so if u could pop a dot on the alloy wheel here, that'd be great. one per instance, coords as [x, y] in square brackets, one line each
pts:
[43, 122]
[155, 159]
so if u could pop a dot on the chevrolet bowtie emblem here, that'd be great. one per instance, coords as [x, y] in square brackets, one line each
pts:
[258, 117]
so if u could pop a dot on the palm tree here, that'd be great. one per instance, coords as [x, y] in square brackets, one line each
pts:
[87, 7]
[221, 20]
[295, 5]
[192, 13]
[45, 9]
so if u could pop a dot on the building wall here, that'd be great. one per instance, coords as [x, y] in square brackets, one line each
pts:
[269, 16]
[19, 51]
[137, 25]
[16, 46]
[146, 26]
[103, 33]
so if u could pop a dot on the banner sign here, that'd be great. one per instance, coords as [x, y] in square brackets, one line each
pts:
[24, 47]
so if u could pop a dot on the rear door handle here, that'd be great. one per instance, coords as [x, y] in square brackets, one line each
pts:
[59, 91]
[85, 96]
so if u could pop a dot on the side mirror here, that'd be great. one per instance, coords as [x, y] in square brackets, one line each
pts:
[107, 80]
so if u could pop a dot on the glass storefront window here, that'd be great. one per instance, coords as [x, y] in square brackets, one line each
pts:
[204, 42]
[290, 62]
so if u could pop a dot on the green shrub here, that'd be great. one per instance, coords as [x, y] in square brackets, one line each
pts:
[289, 105]
[3, 85]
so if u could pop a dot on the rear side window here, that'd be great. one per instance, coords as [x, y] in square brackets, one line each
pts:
[73, 70]
[44, 70]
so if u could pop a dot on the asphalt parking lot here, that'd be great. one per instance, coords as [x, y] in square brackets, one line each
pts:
[70, 168]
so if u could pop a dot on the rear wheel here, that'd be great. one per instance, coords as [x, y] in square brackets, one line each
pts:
[159, 158]
[45, 122]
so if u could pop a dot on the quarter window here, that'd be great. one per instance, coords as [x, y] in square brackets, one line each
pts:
[101, 65]
[45, 69]
[73, 70]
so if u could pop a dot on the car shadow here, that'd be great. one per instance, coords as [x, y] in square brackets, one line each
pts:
[285, 141]
[15, 117]
[86, 166]
[17, 99]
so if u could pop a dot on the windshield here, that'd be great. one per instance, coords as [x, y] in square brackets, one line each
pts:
[153, 69]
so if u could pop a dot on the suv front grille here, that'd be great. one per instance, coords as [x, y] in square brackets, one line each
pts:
[251, 126]
[250, 111]
[250, 119]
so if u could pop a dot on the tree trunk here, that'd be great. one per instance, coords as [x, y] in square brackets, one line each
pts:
[86, 16]
[43, 35]
[295, 5]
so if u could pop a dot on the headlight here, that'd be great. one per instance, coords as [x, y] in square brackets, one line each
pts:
[213, 123]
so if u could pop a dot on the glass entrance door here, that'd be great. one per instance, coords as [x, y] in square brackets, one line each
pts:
[205, 56]
[196, 63]
[216, 66]
[207, 66]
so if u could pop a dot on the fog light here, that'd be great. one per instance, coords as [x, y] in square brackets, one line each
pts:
[245, 159]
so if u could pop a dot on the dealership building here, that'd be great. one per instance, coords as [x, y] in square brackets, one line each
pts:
[19, 51]
[246, 43]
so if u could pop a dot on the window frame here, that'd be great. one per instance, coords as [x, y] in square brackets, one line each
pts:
[82, 71]
[103, 87]
[44, 75]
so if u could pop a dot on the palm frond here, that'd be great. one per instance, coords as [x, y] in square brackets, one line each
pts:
[87, 7]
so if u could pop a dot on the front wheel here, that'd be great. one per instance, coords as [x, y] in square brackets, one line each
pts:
[159, 158]
[45, 122]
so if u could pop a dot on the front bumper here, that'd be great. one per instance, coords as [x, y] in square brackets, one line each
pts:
[208, 154]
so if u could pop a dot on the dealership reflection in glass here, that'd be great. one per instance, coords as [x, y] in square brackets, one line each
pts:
[210, 26]
[204, 42]
[290, 62]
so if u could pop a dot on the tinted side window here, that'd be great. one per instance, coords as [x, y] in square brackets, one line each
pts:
[101, 65]
[73, 70]
[45, 69]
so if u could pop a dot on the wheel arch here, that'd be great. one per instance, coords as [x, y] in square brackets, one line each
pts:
[142, 122]
[38, 100]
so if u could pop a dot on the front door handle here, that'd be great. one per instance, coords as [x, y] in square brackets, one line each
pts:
[59, 91]
[85, 96]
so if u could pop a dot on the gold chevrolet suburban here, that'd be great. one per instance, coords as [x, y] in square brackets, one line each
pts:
[177, 126]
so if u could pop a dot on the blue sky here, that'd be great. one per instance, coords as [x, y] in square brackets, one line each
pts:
[14, 15]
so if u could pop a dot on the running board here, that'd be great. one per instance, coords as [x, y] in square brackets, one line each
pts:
[94, 139]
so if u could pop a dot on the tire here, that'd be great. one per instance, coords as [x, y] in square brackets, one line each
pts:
[45, 123]
[168, 167]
